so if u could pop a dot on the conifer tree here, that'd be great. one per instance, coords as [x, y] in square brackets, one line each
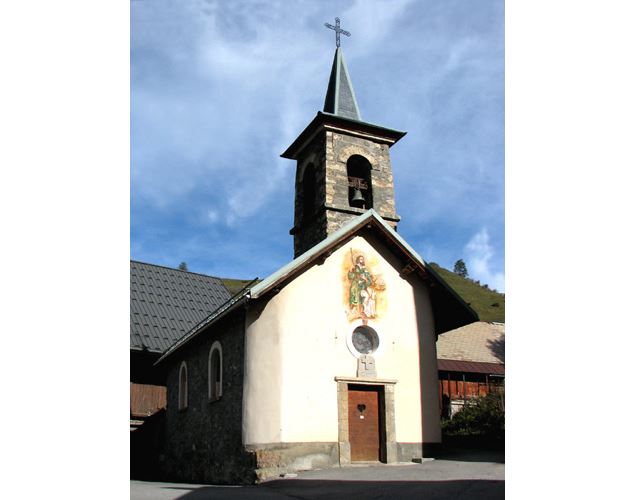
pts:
[460, 268]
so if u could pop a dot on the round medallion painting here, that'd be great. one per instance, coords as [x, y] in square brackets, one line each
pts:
[365, 339]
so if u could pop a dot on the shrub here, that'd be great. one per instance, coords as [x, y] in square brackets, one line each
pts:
[483, 417]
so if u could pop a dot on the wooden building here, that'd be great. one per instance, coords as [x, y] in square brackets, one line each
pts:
[471, 362]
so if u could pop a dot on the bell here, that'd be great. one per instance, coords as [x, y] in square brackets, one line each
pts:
[358, 198]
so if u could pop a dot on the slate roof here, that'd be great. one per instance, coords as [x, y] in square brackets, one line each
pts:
[340, 97]
[167, 303]
[477, 342]
[341, 112]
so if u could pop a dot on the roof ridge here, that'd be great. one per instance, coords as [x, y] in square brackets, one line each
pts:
[176, 269]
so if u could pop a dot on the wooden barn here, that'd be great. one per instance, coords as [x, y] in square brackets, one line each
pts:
[471, 362]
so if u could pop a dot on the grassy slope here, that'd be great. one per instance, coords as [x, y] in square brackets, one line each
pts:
[234, 286]
[479, 298]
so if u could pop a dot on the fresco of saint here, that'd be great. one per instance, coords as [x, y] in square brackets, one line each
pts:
[362, 289]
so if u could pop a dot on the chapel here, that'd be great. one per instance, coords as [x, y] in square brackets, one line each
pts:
[331, 360]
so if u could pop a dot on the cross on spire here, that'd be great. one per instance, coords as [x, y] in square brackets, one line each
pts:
[338, 30]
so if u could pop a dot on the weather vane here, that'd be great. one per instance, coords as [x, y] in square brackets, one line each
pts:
[338, 30]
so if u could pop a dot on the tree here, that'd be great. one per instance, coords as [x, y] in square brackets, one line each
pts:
[460, 268]
[183, 266]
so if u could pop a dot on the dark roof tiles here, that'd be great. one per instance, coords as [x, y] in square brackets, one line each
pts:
[340, 97]
[166, 303]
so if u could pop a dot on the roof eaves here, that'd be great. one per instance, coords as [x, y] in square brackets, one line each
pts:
[455, 365]
[451, 291]
[224, 309]
[428, 269]
[273, 279]
[370, 216]
[140, 348]
[398, 134]
[325, 120]
[465, 313]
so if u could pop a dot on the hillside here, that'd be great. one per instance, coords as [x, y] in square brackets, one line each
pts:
[234, 285]
[489, 305]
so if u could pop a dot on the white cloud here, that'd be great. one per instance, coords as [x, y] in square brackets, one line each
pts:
[213, 216]
[479, 253]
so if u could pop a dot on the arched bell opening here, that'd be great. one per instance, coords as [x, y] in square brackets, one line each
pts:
[308, 193]
[360, 188]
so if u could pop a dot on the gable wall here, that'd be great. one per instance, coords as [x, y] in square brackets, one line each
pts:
[299, 343]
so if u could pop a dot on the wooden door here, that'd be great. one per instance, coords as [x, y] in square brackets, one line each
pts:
[364, 423]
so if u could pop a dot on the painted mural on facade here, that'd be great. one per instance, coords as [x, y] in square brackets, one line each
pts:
[364, 286]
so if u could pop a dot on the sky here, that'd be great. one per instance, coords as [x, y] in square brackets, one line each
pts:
[220, 89]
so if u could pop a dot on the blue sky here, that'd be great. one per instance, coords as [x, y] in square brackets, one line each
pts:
[220, 89]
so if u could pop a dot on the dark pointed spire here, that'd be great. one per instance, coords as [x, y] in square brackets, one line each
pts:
[340, 97]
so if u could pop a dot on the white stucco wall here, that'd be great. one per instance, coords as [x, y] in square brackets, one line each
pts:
[298, 344]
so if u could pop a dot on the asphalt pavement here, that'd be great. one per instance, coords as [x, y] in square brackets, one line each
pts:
[454, 477]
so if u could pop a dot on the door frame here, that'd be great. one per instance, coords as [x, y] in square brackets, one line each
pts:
[386, 410]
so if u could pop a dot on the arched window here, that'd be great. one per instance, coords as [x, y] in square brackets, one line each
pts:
[215, 372]
[308, 192]
[183, 386]
[360, 188]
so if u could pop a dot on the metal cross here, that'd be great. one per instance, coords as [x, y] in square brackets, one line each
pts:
[357, 182]
[338, 30]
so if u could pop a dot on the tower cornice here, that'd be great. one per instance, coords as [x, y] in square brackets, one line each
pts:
[328, 121]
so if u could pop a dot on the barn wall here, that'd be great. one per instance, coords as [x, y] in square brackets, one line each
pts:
[146, 399]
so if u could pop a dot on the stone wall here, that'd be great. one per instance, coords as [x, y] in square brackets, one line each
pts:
[310, 229]
[329, 153]
[203, 443]
[339, 148]
[274, 459]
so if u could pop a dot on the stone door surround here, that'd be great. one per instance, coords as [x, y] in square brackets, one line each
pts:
[342, 414]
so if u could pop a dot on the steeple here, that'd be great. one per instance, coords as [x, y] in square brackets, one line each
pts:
[340, 97]
[343, 163]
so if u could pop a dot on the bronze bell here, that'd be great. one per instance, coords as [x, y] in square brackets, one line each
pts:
[358, 198]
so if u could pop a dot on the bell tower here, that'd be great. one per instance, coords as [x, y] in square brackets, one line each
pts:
[343, 165]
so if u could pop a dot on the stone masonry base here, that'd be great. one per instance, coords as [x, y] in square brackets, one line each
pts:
[275, 459]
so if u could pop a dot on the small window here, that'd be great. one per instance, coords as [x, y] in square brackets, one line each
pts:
[215, 372]
[183, 386]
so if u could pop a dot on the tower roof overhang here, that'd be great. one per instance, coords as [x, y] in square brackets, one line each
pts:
[329, 122]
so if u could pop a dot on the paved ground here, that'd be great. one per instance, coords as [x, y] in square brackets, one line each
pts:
[473, 476]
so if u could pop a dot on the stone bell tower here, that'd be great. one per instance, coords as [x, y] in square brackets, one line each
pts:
[343, 166]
